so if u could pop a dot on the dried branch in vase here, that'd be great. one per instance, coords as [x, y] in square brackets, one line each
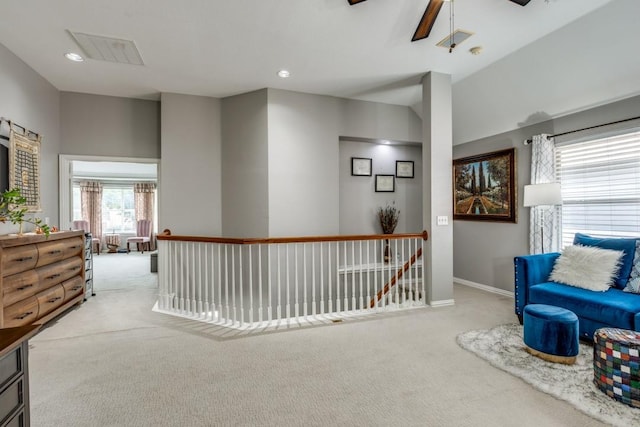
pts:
[388, 217]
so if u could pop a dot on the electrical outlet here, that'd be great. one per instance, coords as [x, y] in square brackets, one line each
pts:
[443, 220]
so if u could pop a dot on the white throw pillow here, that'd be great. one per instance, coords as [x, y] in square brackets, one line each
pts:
[587, 267]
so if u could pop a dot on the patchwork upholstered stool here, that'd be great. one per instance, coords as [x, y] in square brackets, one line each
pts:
[616, 364]
[551, 333]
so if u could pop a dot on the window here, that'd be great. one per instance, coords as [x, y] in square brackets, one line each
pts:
[118, 212]
[118, 208]
[600, 186]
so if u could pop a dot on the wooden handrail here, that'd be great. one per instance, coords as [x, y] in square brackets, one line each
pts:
[396, 277]
[166, 235]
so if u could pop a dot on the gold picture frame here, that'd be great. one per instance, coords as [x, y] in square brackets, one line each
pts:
[484, 187]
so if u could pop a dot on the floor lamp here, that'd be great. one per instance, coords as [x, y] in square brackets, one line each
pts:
[542, 196]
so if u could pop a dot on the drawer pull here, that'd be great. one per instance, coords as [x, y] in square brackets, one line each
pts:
[53, 276]
[22, 288]
[56, 251]
[75, 288]
[25, 315]
[26, 258]
[74, 268]
[52, 300]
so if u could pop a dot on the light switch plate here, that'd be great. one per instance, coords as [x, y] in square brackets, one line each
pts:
[443, 220]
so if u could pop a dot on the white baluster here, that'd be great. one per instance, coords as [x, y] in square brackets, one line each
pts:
[297, 296]
[241, 286]
[279, 285]
[305, 307]
[353, 276]
[219, 282]
[329, 298]
[368, 276]
[321, 280]
[226, 283]
[360, 294]
[269, 285]
[250, 284]
[288, 306]
[313, 279]
[260, 312]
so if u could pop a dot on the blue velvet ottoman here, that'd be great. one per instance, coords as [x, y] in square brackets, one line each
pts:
[551, 333]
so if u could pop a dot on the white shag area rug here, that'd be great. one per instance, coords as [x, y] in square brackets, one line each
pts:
[503, 348]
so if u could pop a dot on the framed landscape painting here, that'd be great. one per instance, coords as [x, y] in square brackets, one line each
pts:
[484, 187]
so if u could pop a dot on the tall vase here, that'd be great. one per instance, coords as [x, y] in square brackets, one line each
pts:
[387, 252]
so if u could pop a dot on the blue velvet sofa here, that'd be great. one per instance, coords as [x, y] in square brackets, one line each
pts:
[612, 308]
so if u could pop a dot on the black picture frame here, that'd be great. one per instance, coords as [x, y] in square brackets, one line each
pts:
[361, 166]
[484, 187]
[404, 169]
[385, 183]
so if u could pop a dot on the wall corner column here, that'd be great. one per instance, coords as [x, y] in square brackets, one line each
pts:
[437, 158]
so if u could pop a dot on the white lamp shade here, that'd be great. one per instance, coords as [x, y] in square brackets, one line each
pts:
[542, 194]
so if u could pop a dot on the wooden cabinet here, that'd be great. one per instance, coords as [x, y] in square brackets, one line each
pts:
[14, 375]
[40, 276]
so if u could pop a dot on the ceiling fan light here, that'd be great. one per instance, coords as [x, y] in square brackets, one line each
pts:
[283, 74]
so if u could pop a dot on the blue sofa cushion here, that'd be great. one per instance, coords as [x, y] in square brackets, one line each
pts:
[613, 307]
[628, 246]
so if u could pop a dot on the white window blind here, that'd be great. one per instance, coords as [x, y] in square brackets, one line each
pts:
[600, 181]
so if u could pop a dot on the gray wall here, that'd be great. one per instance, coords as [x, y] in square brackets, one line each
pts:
[575, 67]
[303, 164]
[190, 188]
[358, 200]
[31, 101]
[97, 125]
[281, 159]
[245, 165]
[483, 252]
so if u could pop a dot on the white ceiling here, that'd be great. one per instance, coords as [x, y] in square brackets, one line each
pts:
[221, 48]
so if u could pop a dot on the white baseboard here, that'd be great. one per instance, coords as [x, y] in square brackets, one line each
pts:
[482, 287]
[442, 303]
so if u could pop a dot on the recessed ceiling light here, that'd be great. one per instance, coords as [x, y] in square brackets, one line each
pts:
[283, 74]
[73, 57]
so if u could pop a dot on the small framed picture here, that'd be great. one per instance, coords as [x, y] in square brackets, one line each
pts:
[404, 168]
[360, 166]
[385, 184]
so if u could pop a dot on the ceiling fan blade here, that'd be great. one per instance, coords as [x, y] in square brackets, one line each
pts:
[428, 19]
[352, 2]
[521, 2]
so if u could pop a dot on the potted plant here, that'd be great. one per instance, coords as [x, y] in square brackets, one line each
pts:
[13, 207]
[388, 217]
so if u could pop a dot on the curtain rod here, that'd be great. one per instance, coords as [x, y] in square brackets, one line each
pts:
[530, 140]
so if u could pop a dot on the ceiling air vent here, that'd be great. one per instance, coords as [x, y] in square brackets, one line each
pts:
[108, 49]
[454, 39]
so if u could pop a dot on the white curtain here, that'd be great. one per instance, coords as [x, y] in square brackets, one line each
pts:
[544, 220]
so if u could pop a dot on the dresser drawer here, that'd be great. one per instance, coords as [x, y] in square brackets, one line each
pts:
[73, 247]
[21, 313]
[59, 272]
[50, 252]
[19, 286]
[11, 399]
[72, 287]
[19, 258]
[49, 300]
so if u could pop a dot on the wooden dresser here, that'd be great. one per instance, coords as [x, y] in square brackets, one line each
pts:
[40, 277]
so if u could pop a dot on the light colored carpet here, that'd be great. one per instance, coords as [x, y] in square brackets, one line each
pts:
[503, 347]
[114, 362]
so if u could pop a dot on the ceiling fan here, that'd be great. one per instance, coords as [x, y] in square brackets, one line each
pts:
[430, 15]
